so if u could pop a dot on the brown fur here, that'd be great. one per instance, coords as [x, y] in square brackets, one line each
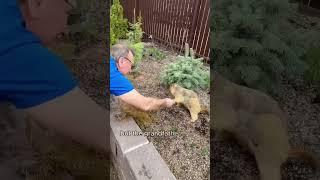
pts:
[142, 118]
[187, 98]
[256, 121]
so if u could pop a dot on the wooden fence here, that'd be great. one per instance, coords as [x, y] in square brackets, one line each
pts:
[311, 3]
[174, 22]
[310, 7]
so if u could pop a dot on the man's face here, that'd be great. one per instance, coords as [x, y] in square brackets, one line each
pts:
[125, 63]
[46, 18]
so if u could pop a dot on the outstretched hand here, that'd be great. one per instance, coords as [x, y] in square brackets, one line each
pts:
[169, 102]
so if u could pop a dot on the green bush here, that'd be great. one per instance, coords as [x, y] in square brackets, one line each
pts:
[83, 22]
[154, 53]
[312, 75]
[85, 27]
[188, 72]
[138, 51]
[254, 45]
[135, 33]
[135, 40]
[118, 24]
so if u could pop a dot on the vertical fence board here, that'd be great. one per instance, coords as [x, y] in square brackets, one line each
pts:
[174, 22]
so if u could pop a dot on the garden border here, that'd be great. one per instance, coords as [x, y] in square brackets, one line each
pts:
[134, 157]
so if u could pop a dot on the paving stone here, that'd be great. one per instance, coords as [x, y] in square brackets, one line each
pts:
[122, 143]
[121, 133]
[146, 163]
[123, 169]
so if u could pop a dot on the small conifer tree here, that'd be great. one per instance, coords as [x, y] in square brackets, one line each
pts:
[188, 72]
[118, 24]
[253, 44]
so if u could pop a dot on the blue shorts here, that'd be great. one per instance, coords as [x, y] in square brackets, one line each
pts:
[31, 75]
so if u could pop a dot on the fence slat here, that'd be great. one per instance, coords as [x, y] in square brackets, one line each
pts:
[174, 22]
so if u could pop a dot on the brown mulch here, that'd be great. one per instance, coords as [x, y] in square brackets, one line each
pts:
[231, 161]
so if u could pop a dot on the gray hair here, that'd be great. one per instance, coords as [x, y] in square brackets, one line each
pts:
[120, 50]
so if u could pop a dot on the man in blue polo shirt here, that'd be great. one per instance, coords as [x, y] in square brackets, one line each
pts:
[35, 80]
[120, 64]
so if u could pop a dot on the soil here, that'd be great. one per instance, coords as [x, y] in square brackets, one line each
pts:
[186, 152]
[231, 161]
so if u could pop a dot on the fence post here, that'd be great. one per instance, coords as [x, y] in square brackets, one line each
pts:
[194, 21]
[138, 7]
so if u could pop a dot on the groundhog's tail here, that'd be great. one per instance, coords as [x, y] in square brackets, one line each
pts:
[302, 154]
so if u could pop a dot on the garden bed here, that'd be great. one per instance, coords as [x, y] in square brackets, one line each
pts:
[229, 161]
[187, 152]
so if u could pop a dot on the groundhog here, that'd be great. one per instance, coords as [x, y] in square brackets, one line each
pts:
[142, 118]
[188, 98]
[256, 121]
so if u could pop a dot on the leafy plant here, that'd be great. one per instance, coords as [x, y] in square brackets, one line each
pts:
[154, 53]
[188, 72]
[174, 129]
[254, 45]
[85, 27]
[138, 51]
[83, 21]
[193, 145]
[135, 33]
[205, 152]
[118, 24]
[312, 75]
[135, 39]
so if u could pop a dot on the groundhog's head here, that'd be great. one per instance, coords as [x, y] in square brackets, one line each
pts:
[173, 89]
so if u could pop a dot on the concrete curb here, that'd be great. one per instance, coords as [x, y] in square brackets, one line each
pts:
[135, 158]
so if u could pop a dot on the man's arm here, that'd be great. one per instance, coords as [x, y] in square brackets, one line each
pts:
[134, 98]
[77, 116]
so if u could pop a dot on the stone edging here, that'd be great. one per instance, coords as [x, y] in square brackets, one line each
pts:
[134, 157]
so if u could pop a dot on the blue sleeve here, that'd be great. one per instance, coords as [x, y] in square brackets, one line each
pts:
[31, 75]
[119, 84]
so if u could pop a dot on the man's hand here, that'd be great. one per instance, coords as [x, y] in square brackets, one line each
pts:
[169, 102]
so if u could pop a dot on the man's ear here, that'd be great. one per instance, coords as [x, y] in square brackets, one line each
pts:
[120, 61]
[33, 7]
